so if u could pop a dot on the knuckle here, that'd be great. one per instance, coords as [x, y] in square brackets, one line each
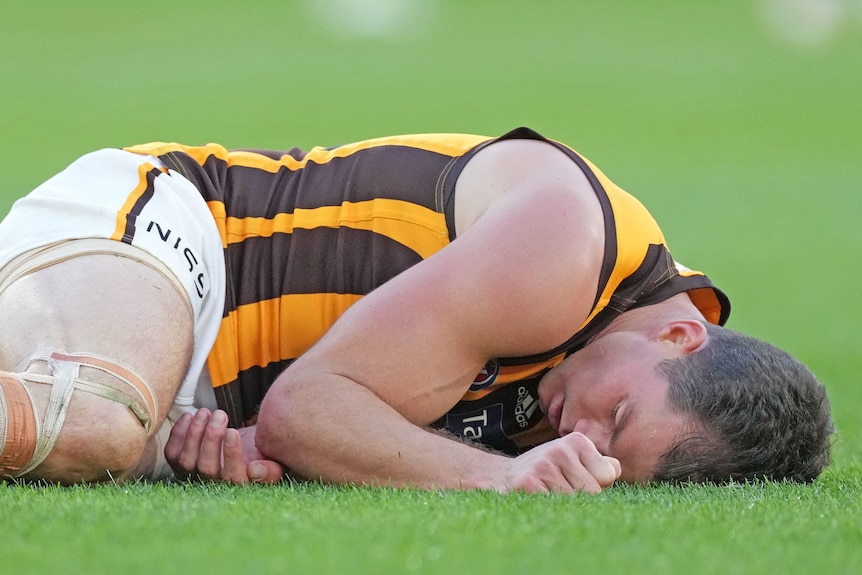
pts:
[186, 462]
[579, 441]
[212, 433]
[208, 469]
[545, 467]
[530, 483]
[171, 452]
[606, 475]
[555, 451]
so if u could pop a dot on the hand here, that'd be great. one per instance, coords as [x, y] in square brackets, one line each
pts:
[201, 446]
[568, 464]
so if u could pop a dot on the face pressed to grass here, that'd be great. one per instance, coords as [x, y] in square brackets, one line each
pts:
[612, 392]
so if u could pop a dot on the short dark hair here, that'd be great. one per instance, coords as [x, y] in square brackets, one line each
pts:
[758, 414]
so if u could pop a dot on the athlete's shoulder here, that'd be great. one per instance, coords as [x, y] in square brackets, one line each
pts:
[199, 154]
[448, 144]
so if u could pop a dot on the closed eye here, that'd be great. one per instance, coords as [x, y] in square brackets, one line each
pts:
[621, 418]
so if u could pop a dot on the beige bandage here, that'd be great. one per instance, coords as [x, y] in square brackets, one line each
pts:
[19, 429]
[40, 258]
[27, 436]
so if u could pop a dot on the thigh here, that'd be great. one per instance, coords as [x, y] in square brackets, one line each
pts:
[120, 311]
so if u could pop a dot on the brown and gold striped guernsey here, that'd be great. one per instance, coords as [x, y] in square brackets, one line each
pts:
[307, 234]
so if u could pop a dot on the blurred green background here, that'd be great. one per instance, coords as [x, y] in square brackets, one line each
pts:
[738, 123]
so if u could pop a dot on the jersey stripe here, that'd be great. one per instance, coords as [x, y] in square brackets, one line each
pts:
[384, 217]
[254, 331]
[219, 214]
[306, 235]
[134, 204]
[361, 177]
[445, 144]
[331, 260]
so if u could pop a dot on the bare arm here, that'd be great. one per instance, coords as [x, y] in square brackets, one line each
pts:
[520, 279]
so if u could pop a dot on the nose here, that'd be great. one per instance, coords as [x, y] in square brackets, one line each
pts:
[595, 432]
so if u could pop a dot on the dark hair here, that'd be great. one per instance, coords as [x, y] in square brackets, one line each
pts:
[758, 414]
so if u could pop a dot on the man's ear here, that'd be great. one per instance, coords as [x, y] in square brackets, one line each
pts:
[688, 335]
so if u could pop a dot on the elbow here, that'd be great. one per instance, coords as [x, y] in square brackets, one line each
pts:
[278, 415]
[266, 436]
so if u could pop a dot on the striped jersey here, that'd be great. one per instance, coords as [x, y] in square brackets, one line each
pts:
[305, 235]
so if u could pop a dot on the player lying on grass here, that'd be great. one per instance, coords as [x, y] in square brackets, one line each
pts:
[366, 313]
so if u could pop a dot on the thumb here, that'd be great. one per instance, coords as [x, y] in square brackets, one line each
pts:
[265, 471]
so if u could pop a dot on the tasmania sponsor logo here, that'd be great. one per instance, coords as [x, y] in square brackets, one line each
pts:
[485, 424]
[487, 376]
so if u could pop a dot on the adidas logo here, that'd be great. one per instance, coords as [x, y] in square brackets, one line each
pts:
[525, 408]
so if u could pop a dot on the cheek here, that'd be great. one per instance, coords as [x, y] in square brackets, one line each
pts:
[600, 392]
[590, 403]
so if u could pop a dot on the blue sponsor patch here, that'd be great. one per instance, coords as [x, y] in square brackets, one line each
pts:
[484, 425]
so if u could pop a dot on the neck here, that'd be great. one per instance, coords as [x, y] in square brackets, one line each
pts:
[649, 317]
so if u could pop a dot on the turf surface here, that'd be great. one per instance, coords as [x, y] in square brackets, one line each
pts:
[742, 138]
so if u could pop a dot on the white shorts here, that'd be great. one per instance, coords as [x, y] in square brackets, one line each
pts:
[113, 194]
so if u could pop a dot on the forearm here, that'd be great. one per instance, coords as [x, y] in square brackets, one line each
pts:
[361, 440]
[357, 438]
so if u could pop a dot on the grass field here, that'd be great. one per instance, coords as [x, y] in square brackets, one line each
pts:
[222, 529]
[742, 138]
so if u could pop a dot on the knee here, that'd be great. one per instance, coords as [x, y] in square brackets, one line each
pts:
[94, 449]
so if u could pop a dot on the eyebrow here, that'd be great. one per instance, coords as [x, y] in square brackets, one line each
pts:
[620, 426]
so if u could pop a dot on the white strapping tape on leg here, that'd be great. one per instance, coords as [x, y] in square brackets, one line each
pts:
[131, 390]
